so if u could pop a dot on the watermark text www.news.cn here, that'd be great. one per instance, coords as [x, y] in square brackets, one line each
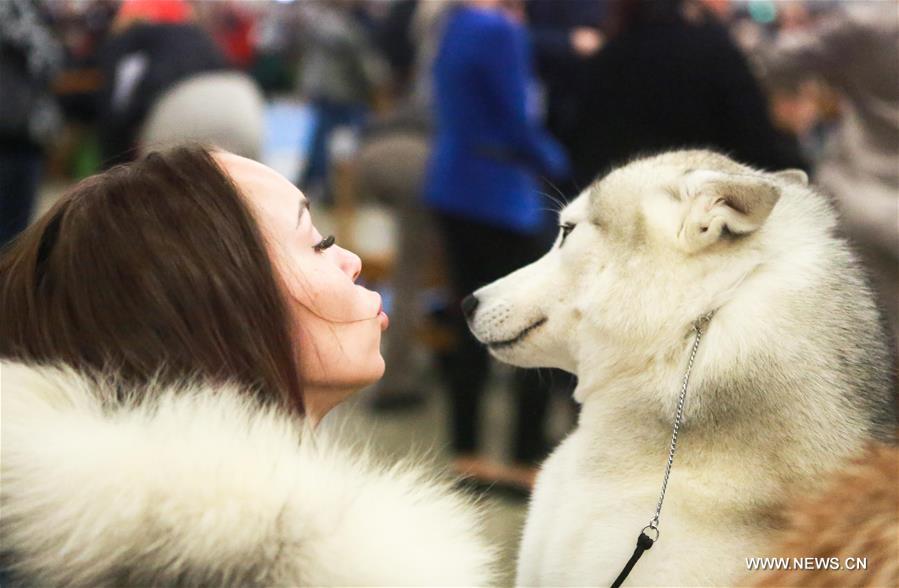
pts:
[806, 563]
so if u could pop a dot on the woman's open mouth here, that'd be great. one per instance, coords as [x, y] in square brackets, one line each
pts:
[517, 338]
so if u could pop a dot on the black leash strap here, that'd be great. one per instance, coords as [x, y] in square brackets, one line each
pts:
[644, 543]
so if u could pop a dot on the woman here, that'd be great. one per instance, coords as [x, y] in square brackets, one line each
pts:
[191, 315]
[481, 186]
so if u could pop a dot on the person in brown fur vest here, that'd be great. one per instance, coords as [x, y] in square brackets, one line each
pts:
[856, 517]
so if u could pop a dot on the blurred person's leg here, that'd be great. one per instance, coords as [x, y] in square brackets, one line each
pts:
[316, 170]
[19, 178]
[531, 389]
[477, 255]
[391, 169]
[465, 365]
[402, 383]
[329, 116]
[465, 369]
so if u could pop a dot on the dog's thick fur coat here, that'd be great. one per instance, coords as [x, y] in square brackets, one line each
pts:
[201, 486]
[791, 380]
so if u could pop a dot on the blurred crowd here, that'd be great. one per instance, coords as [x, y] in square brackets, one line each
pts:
[470, 121]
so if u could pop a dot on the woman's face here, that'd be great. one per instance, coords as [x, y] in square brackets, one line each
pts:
[338, 323]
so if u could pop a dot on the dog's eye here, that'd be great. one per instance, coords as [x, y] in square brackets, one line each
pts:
[566, 229]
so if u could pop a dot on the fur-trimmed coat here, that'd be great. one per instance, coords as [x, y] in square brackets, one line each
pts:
[200, 486]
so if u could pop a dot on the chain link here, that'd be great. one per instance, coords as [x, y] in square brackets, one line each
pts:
[698, 325]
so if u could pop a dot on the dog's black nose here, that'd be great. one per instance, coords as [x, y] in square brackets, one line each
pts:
[469, 305]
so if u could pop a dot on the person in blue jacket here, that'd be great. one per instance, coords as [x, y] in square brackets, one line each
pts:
[482, 185]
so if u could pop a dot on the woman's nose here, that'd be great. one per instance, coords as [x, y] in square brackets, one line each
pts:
[350, 263]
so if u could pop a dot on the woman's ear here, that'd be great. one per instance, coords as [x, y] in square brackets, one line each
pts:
[720, 204]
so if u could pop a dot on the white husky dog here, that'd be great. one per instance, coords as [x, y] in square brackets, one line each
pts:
[791, 377]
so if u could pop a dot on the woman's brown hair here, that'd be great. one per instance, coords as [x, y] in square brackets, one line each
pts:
[155, 270]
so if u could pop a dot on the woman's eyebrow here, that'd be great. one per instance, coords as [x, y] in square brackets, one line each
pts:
[304, 206]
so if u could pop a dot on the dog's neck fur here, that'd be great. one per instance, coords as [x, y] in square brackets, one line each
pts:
[730, 418]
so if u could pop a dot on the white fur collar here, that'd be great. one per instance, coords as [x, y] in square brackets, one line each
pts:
[204, 487]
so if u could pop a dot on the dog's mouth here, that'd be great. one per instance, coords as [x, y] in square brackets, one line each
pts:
[517, 338]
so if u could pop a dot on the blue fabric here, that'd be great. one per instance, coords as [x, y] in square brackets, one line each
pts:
[488, 149]
[330, 115]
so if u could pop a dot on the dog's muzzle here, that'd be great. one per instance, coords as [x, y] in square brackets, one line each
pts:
[517, 338]
[495, 316]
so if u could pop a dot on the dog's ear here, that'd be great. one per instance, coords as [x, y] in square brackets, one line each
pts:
[792, 176]
[723, 205]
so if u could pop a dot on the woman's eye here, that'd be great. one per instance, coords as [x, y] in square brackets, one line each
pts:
[324, 243]
[566, 230]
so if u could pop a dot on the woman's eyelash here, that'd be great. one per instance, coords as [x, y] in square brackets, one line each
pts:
[324, 243]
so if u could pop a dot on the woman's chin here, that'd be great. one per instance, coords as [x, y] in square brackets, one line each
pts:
[372, 375]
[380, 368]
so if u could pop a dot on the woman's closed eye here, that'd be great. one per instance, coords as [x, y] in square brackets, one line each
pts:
[324, 243]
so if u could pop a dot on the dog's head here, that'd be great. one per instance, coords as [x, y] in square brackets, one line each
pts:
[640, 254]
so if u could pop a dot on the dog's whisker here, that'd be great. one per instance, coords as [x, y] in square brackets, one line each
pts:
[558, 203]
[562, 197]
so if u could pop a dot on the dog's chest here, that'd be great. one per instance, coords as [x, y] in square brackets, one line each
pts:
[582, 528]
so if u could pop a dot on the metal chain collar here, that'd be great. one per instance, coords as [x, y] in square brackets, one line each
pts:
[698, 326]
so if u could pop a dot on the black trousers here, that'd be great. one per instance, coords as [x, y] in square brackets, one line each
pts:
[478, 254]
